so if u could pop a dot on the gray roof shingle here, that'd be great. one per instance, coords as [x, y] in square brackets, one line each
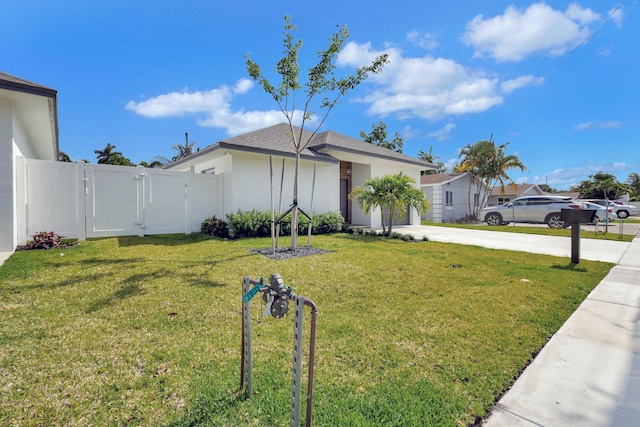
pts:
[276, 140]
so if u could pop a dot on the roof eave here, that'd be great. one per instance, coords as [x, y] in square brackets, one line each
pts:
[409, 160]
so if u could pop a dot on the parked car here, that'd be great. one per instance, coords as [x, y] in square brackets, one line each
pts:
[532, 209]
[620, 209]
[602, 212]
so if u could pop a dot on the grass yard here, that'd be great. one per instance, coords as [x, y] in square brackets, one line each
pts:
[146, 331]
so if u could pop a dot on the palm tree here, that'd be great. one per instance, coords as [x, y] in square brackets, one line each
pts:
[183, 150]
[106, 156]
[488, 166]
[392, 192]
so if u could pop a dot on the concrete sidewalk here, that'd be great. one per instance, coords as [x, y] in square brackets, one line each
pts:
[4, 256]
[588, 374]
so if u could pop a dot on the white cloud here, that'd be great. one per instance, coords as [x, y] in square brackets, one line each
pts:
[176, 104]
[444, 133]
[582, 126]
[566, 178]
[426, 41]
[612, 124]
[509, 86]
[215, 107]
[427, 87]
[517, 34]
[616, 15]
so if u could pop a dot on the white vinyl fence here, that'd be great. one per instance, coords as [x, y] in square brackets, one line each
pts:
[82, 200]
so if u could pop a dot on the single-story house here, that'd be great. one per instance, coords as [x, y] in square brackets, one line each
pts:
[252, 166]
[452, 196]
[500, 196]
[28, 129]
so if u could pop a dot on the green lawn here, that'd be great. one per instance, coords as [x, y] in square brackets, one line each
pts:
[612, 234]
[146, 331]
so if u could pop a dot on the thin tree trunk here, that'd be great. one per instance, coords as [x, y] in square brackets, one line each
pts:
[294, 212]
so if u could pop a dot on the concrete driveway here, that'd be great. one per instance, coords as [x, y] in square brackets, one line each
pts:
[591, 249]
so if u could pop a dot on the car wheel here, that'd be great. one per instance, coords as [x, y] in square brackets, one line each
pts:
[623, 214]
[493, 219]
[554, 220]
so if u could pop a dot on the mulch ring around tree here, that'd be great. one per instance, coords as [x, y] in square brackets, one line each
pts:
[286, 253]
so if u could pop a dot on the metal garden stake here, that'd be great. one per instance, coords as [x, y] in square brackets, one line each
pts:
[277, 296]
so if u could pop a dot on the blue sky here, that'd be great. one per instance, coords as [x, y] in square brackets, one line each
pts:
[559, 80]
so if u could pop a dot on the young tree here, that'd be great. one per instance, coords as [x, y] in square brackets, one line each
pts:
[378, 136]
[321, 82]
[392, 192]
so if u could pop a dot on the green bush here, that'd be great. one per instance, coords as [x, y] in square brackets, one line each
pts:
[253, 223]
[257, 223]
[215, 227]
[326, 223]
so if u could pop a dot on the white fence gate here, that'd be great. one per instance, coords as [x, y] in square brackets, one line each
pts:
[80, 200]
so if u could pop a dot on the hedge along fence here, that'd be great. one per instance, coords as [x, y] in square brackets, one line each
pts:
[257, 223]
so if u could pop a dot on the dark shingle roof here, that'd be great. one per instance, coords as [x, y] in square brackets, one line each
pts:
[438, 178]
[10, 82]
[339, 142]
[277, 140]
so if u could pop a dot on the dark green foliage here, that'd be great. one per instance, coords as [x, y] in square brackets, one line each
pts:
[602, 186]
[257, 223]
[326, 223]
[215, 227]
[253, 223]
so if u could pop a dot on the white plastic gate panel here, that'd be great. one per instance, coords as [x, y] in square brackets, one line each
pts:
[112, 200]
[52, 203]
[165, 202]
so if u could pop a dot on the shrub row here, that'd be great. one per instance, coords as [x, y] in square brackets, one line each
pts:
[394, 235]
[257, 223]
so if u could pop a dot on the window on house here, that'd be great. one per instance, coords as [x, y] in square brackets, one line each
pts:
[476, 199]
[449, 198]
[503, 200]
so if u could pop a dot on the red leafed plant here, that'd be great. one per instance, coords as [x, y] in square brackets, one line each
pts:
[45, 240]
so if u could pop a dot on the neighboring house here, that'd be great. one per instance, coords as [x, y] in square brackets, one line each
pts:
[452, 196]
[500, 196]
[339, 163]
[28, 129]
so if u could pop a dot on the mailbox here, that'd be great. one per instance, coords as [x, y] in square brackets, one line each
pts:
[578, 216]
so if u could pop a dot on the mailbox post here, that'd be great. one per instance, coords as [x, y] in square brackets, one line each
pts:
[575, 217]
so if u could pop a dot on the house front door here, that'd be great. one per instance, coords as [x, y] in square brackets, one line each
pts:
[344, 200]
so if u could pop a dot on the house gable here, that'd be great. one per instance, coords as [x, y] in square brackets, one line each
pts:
[35, 111]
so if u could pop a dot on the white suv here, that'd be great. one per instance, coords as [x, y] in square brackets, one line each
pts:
[621, 210]
[532, 209]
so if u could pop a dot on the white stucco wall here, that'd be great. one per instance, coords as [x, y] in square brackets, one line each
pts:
[7, 205]
[359, 174]
[251, 187]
